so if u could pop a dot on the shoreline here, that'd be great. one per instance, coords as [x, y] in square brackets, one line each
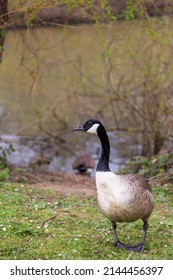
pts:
[62, 15]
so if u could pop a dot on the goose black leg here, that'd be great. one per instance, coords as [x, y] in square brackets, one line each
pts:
[114, 226]
[118, 243]
[140, 247]
[137, 248]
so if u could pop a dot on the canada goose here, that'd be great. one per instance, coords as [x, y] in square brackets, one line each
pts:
[83, 165]
[121, 198]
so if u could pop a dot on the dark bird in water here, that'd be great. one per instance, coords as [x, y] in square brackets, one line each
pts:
[121, 198]
[83, 165]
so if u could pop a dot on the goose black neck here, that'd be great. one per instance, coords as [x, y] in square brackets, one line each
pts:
[103, 163]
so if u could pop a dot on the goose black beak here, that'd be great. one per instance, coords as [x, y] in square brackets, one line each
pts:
[80, 128]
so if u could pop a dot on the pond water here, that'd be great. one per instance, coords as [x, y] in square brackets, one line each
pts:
[53, 79]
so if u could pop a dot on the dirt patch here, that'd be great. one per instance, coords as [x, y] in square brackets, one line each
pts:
[64, 183]
[70, 184]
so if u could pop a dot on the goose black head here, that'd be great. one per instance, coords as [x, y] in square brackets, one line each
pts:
[90, 126]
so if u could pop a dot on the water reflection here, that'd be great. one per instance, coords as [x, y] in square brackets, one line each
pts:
[53, 79]
[39, 153]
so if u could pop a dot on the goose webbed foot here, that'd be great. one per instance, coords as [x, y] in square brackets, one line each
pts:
[136, 248]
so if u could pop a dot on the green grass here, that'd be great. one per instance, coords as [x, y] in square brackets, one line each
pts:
[41, 224]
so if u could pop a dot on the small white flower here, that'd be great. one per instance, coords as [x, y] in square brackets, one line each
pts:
[4, 228]
[36, 207]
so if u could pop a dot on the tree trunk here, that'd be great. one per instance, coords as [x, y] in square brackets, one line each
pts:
[3, 20]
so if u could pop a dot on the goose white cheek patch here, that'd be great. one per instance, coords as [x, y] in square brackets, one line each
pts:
[93, 129]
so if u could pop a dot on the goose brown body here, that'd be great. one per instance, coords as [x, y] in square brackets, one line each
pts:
[123, 198]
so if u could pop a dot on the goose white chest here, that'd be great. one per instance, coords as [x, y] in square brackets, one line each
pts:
[112, 197]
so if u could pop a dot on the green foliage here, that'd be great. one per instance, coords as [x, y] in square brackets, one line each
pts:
[105, 6]
[4, 174]
[2, 36]
[31, 18]
[3, 155]
[89, 3]
[131, 10]
[4, 166]
[153, 166]
[32, 7]
[3, 33]
[106, 50]
[1, 48]
[41, 224]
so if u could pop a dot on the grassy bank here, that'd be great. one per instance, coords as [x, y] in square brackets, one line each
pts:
[41, 224]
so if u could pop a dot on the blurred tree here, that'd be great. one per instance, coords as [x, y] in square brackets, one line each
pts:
[134, 83]
[3, 20]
